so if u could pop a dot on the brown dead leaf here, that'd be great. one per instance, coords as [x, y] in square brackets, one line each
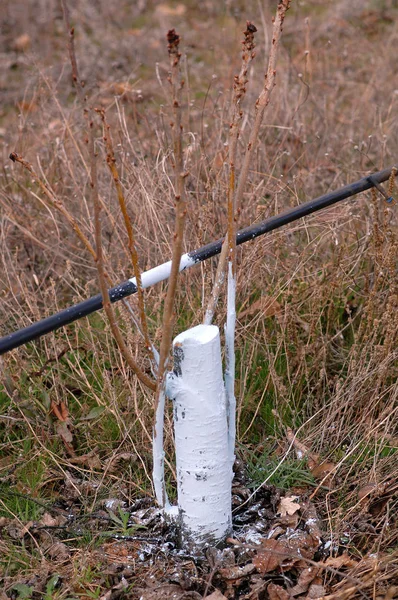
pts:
[268, 306]
[166, 591]
[337, 562]
[270, 555]
[306, 577]
[277, 592]
[91, 460]
[27, 106]
[58, 551]
[217, 595]
[288, 506]
[64, 432]
[236, 572]
[48, 520]
[324, 468]
[287, 522]
[316, 592]
[299, 545]
[60, 411]
[312, 522]
[366, 490]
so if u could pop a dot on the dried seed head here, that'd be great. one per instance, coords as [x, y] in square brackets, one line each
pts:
[173, 40]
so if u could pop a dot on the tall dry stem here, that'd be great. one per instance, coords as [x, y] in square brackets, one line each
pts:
[111, 161]
[240, 82]
[177, 83]
[264, 97]
[261, 104]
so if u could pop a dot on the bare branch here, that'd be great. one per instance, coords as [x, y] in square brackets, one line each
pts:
[111, 161]
[54, 201]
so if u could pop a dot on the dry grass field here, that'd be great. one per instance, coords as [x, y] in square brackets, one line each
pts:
[317, 318]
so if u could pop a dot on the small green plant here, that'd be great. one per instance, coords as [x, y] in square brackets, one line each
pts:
[25, 592]
[121, 521]
[284, 474]
[52, 588]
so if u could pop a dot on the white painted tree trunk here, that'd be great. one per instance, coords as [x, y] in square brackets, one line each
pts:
[204, 469]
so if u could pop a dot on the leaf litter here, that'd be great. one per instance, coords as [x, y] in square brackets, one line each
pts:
[277, 550]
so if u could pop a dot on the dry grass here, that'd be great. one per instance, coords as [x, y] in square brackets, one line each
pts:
[322, 361]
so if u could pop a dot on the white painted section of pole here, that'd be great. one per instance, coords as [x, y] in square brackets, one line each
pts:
[162, 272]
[230, 363]
[204, 470]
[158, 455]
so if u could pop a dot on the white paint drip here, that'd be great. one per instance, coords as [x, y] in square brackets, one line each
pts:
[158, 455]
[230, 363]
[204, 471]
[162, 272]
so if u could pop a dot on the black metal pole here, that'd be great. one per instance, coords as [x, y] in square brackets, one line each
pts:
[127, 288]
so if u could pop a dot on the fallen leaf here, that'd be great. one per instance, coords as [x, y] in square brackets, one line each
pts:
[60, 411]
[63, 431]
[312, 522]
[316, 592]
[91, 460]
[270, 555]
[288, 506]
[323, 469]
[336, 562]
[59, 551]
[306, 577]
[277, 592]
[217, 595]
[48, 520]
[366, 490]
[233, 573]
[27, 106]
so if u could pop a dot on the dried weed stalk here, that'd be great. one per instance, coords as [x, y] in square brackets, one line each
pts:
[99, 259]
[239, 91]
[261, 104]
[177, 84]
[111, 162]
[240, 82]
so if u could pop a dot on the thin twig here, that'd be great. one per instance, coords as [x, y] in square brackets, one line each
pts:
[101, 271]
[261, 104]
[70, 32]
[54, 201]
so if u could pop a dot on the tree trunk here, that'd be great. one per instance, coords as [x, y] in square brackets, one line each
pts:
[204, 468]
